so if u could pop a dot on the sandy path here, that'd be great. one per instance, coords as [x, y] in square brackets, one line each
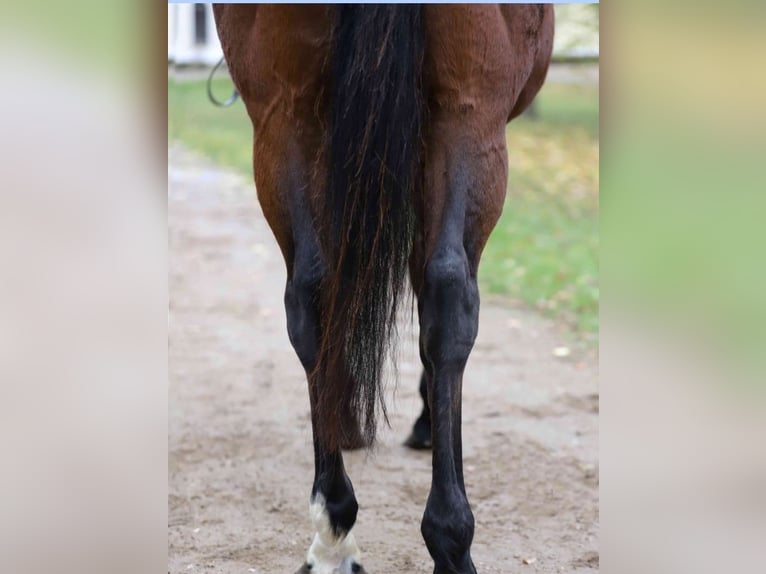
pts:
[240, 466]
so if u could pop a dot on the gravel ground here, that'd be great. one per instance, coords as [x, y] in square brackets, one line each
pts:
[240, 461]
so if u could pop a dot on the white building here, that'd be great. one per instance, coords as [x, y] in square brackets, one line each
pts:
[192, 38]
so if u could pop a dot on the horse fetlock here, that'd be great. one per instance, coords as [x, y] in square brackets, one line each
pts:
[333, 550]
[448, 532]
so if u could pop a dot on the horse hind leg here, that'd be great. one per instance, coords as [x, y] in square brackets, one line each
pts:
[471, 192]
[333, 510]
[333, 506]
[449, 322]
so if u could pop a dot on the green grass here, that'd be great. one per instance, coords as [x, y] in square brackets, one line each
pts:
[222, 134]
[544, 251]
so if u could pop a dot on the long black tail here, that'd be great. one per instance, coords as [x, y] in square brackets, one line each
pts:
[369, 222]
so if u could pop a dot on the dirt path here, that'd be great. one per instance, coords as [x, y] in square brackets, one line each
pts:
[240, 466]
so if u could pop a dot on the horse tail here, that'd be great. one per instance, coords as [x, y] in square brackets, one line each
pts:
[368, 226]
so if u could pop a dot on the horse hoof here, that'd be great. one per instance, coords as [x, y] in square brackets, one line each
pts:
[355, 569]
[417, 441]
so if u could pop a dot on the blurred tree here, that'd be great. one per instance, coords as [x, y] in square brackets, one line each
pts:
[577, 28]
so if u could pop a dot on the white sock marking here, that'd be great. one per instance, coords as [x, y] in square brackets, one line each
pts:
[329, 554]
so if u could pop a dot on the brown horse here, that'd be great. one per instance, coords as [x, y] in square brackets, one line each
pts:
[379, 151]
